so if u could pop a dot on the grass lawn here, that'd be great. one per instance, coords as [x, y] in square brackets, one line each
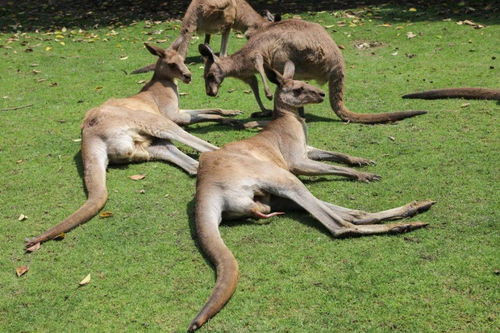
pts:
[146, 270]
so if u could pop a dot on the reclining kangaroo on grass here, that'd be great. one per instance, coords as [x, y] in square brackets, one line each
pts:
[255, 178]
[309, 47]
[134, 129]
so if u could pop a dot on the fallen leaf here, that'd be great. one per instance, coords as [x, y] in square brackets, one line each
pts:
[48, 48]
[141, 81]
[137, 177]
[394, 53]
[61, 236]
[123, 57]
[392, 138]
[21, 270]
[230, 90]
[33, 248]
[183, 94]
[247, 91]
[77, 140]
[22, 217]
[53, 84]
[35, 71]
[142, 191]
[465, 105]
[412, 9]
[98, 88]
[85, 281]
[105, 214]
[471, 23]
[410, 35]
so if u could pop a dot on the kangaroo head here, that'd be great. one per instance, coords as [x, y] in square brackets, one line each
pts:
[170, 64]
[213, 74]
[291, 92]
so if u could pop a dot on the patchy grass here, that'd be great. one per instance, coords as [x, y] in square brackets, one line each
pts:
[147, 272]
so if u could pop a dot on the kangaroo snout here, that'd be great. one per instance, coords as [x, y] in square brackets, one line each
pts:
[186, 77]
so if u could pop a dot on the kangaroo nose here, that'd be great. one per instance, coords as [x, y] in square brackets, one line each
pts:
[322, 94]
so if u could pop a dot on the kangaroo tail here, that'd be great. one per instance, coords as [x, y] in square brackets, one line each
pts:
[336, 91]
[95, 161]
[208, 216]
[470, 93]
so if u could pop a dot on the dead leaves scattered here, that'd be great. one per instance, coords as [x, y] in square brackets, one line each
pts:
[137, 177]
[471, 23]
[105, 214]
[410, 35]
[85, 281]
[33, 248]
[21, 270]
[22, 217]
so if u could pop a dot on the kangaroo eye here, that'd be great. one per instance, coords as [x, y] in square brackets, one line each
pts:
[298, 90]
[172, 65]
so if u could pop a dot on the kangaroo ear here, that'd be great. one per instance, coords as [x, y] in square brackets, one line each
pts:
[206, 52]
[289, 70]
[155, 50]
[273, 76]
[175, 45]
[145, 69]
[270, 17]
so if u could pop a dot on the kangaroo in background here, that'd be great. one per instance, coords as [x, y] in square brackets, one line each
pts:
[214, 16]
[254, 178]
[469, 93]
[309, 47]
[133, 129]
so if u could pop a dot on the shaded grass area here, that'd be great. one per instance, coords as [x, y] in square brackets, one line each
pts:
[147, 272]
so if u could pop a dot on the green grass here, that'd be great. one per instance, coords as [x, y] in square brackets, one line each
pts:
[147, 272]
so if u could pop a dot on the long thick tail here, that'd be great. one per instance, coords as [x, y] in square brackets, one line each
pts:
[95, 161]
[208, 216]
[336, 91]
[469, 93]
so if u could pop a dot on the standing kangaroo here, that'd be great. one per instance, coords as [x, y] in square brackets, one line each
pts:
[213, 16]
[469, 93]
[309, 47]
[133, 129]
[254, 177]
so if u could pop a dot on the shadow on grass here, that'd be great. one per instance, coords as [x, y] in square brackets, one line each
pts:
[29, 15]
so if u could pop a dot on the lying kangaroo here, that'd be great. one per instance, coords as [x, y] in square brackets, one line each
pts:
[133, 129]
[308, 46]
[469, 93]
[253, 178]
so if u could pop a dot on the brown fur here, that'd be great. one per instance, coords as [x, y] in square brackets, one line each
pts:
[132, 129]
[309, 47]
[468, 93]
[253, 177]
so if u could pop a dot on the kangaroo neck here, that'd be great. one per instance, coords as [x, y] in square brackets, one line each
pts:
[161, 91]
[237, 65]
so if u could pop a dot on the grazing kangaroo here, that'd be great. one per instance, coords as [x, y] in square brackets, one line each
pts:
[309, 47]
[254, 178]
[468, 93]
[132, 129]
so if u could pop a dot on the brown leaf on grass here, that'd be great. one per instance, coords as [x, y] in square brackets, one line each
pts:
[137, 177]
[471, 23]
[53, 84]
[21, 270]
[22, 217]
[61, 236]
[85, 281]
[465, 105]
[33, 248]
[105, 214]
[410, 35]
[183, 94]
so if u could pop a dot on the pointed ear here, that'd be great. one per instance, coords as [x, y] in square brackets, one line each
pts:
[206, 52]
[273, 76]
[175, 45]
[289, 70]
[268, 16]
[145, 69]
[155, 50]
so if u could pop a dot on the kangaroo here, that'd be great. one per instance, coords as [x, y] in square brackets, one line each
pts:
[306, 44]
[469, 93]
[255, 178]
[213, 16]
[132, 129]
